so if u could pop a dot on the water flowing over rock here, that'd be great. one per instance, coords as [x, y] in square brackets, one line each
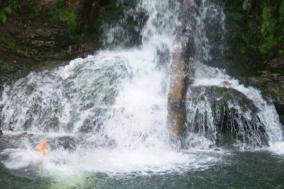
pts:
[116, 111]
[225, 115]
[226, 112]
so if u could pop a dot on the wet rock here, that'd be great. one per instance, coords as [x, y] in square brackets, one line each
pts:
[45, 3]
[225, 116]
[74, 4]
[41, 43]
[87, 126]
[87, 106]
[52, 124]
[247, 4]
[276, 63]
[226, 84]
[271, 83]
[280, 110]
[66, 143]
[275, 76]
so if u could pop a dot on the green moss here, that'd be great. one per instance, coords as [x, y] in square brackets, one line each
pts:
[59, 14]
[10, 72]
[8, 8]
[268, 29]
[281, 12]
[67, 16]
[254, 36]
[281, 29]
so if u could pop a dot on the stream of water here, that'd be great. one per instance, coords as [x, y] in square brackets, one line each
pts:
[105, 117]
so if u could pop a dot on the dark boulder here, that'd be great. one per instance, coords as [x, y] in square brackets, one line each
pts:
[225, 116]
[66, 143]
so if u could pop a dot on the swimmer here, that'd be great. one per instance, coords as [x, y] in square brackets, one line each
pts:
[42, 148]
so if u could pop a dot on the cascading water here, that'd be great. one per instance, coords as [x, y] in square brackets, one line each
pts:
[108, 112]
[217, 104]
[111, 108]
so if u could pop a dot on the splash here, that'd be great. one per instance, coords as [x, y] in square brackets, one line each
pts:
[217, 104]
[108, 112]
[259, 119]
[277, 148]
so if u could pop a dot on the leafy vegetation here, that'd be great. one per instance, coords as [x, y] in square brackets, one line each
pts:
[59, 28]
[254, 35]
[68, 16]
[272, 29]
[8, 8]
[57, 14]
[64, 15]
[267, 29]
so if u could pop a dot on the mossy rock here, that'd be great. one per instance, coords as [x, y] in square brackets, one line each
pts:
[235, 117]
[10, 72]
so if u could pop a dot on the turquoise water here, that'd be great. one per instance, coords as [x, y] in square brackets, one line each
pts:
[254, 170]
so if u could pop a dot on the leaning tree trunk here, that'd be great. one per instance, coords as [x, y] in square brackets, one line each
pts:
[177, 92]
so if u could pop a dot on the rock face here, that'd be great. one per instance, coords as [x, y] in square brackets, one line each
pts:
[225, 116]
[66, 143]
[46, 30]
[44, 3]
[60, 30]
[271, 82]
[91, 10]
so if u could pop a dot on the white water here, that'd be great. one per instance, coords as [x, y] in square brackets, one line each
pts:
[119, 97]
[114, 104]
[208, 77]
[277, 148]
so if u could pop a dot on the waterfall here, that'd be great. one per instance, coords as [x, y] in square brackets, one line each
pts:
[217, 104]
[108, 112]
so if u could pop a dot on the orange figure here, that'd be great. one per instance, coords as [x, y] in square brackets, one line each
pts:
[42, 147]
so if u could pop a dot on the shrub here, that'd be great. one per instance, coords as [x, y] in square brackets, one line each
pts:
[8, 8]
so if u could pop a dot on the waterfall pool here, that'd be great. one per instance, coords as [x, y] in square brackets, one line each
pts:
[105, 116]
[254, 170]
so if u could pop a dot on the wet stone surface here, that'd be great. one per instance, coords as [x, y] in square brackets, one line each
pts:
[271, 83]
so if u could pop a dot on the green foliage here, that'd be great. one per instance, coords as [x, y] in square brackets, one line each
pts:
[8, 8]
[59, 13]
[281, 12]
[272, 28]
[254, 36]
[281, 29]
[268, 29]
[67, 16]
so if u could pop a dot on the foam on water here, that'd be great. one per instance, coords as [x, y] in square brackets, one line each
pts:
[114, 106]
[277, 148]
[118, 161]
